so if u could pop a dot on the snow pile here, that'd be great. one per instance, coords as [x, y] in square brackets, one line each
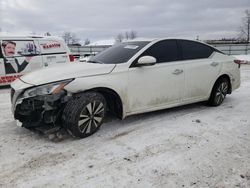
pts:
[109, 42]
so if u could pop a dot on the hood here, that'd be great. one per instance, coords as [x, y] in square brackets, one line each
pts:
[66, 71]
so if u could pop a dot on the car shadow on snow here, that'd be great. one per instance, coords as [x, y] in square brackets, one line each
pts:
[114, 128]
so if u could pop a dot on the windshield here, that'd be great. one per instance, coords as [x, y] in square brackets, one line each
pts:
[119, 53]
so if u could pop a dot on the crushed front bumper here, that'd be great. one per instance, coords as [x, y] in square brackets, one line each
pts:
[39, 110]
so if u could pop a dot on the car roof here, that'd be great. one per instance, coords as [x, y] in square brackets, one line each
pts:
[159, 39]
[28, 37]
[169, 38]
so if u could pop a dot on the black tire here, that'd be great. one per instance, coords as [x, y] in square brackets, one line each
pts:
[84, 115]
[219, 92]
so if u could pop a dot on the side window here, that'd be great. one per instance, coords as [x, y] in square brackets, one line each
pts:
[195, 50]
[164, 51]
[20, 56]
[1, 54]
[18, 48]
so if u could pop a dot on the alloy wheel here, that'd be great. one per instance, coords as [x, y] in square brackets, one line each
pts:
[91, 117]
[221, 92]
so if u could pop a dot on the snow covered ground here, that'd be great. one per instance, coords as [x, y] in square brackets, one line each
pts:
[190, 146]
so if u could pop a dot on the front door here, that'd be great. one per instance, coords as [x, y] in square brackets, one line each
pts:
[154, 87]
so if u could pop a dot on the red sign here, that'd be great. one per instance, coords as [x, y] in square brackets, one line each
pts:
[8, 79]
[53, 45]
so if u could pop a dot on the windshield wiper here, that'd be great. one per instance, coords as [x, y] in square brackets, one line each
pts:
[94, 61]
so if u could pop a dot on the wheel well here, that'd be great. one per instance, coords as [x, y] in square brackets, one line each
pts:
[229, 81]
[113, 100]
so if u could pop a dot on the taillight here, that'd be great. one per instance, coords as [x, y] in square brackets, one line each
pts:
[71, 58]
[237, 61]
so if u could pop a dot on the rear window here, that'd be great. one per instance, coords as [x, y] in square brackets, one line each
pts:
[195, 50]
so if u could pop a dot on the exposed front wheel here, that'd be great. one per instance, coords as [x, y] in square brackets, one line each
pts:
[84, 115]
[219, 92]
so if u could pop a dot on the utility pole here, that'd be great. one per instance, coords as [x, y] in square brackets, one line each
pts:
[248, 25]
[245, 28]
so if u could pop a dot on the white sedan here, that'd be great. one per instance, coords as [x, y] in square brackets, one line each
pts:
[128, 78]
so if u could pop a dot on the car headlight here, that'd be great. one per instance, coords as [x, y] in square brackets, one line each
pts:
[47, 89]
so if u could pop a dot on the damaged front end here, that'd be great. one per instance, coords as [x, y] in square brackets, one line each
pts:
[40, 107]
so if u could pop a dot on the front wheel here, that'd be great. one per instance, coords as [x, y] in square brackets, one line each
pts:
[219, 92]
[84, 115]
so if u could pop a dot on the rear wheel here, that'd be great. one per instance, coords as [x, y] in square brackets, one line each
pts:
[219, 92]
[84, 115]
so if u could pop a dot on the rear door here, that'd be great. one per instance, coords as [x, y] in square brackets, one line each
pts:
[200, 69]
[53, 52]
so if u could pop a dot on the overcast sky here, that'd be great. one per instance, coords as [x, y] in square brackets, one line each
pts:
[104, 19]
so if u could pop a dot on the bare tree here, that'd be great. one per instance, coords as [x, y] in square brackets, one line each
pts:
[128, 35]
[132, 34]
[87, 41]
[119, 38]
[70, 38]
[74, 39]
[47, 34]
[66, 37]
[245, 28]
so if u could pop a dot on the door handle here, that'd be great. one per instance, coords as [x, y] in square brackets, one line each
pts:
[178, 71]
[214, 64]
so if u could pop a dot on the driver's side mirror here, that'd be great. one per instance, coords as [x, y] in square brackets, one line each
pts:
[146, 61]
